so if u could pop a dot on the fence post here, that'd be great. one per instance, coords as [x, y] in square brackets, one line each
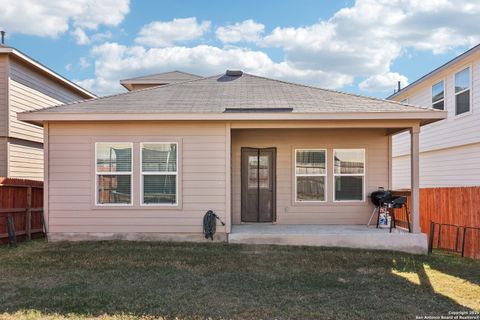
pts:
[28, 217]
[456, 239]
[432, 234]
[12, 237]
[463, 240]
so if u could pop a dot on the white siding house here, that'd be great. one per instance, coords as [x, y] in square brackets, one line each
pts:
[26, 85]
[449, 149]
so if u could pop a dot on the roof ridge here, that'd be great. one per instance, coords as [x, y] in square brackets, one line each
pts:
[340, 92]
[163, 73]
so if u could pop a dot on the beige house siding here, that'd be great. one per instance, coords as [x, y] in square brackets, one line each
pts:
[3, 95]
[447, 146]
[374, 141]
[31, 91]
[3, 157]
[25, 159]
[202, 177]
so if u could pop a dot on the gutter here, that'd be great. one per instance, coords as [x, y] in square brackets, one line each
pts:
[424, 116]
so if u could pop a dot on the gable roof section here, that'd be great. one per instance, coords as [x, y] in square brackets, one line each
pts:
[234, 97]
[46, 71]
[450, 63]
[160, 78]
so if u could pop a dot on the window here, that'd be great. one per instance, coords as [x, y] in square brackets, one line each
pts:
[310, 175]
[113, 172]
[159, 173]
[438, 96]
[462, 91]
[349, 174]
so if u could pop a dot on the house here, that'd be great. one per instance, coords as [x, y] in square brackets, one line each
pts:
[449, 149]
[264, 154]
[26, 85]
[158, 79]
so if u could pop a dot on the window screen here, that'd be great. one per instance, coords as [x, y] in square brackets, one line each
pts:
[113, 173]
[159, 173]
[349, 174]
[310, 175]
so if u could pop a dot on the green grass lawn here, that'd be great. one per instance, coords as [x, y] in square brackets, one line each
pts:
[130, 280]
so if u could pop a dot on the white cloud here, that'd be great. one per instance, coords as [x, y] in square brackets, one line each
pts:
[68, 67]
[83, 62]
[358, 42]
[247, 30]
[80, 36]
[51, 18]
[383, 82]
[365, 39]
[115, 61]
[166, 33]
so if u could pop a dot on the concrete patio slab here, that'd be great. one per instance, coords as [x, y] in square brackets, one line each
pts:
[346, 236]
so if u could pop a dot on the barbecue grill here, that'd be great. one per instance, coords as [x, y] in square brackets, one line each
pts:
[383, 201]
[379, 197]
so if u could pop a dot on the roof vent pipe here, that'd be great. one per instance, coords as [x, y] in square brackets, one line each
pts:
[234, 73]
[399, 87]
[3, 36]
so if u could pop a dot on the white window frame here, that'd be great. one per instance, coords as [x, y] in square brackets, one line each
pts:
[155, 173]
[364, 174]
[98, 173]
[444, 95]
[312, 175]
[470, 107]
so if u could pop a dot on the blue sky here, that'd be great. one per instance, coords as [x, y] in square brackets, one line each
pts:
[362, 46]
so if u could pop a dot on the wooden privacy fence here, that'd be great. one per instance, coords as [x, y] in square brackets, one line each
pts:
[458, 206]
[23, 201]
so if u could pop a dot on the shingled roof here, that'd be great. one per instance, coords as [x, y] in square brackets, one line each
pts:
[226, 95]
[160, 78]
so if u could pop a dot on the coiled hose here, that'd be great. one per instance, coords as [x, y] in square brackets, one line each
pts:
[210, 224]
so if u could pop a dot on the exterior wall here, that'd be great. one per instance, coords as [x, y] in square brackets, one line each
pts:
[375, 141]
[3, 95]
[25, 159]
[453, 141]
[23, 89]
[3, 157]
[451, 167]
[31, 91]
[71, 183]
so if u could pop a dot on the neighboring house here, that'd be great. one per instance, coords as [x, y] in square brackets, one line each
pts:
[449, 149]
[159, 79]
[148, 164]
[27, 85]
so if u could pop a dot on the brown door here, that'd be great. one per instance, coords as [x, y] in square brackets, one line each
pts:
[258, 184]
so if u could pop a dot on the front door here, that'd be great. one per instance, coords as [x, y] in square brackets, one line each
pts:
[258, 184]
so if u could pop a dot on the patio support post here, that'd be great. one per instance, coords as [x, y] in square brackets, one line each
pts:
[415, 177]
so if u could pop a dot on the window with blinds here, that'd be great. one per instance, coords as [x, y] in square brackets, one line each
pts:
[113, 173]
[349, 174]
[159, 171]
[310, 175]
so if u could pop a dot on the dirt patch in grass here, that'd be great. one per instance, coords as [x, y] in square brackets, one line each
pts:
[143, 280]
